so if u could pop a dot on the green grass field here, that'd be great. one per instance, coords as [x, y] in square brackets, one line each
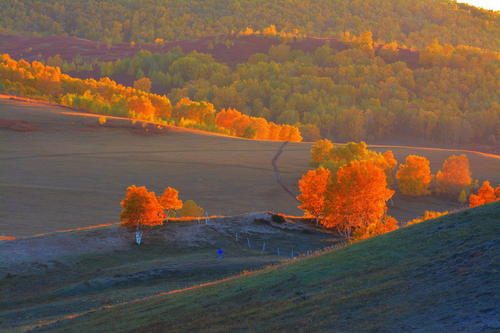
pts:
[438, 276]
[69, 174]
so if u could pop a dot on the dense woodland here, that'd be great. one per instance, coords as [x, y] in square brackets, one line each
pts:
[447, 95]
[413, 23]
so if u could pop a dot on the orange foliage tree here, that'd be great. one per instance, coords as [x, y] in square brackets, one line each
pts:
[143, 84]
[375, 228]
[414, 176]
[242, 125]
[320, 151]
[484, 195]
[140, 209]
[356, 198]
[353, 197]
[428, 215]
[454, 175]
[169, 200]
[312, 188]
[141, 107]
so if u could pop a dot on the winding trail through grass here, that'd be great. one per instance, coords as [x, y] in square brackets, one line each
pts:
[277, 171]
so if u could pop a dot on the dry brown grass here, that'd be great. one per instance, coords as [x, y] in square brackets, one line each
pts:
[71, 175]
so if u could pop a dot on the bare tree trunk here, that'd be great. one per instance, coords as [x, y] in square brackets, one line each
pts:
[138, 235]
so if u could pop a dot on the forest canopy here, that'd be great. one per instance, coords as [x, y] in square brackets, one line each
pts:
[448, 95]
[412, 23]
[423, 69]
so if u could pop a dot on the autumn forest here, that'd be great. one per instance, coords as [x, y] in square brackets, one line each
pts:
[249, 165]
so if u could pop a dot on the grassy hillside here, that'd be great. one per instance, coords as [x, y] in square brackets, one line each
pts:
[414, 23]
[64, 273]
[438, 276]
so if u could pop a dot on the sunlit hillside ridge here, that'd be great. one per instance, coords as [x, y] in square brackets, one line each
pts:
[107, 97]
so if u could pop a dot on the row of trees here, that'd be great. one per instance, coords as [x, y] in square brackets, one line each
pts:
[413, 177]
[409, 22]
[454, 178]
[485, 194]
[442, 93]
[142, 209]
[351, 185]
[348, 191]
[240, 124]
[107, 97]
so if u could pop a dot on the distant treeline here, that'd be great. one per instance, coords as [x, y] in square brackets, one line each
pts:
[413, 23]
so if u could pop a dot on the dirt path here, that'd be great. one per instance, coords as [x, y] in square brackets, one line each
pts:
[277, 172]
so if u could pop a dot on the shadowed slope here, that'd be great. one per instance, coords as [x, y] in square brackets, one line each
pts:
[438, 275]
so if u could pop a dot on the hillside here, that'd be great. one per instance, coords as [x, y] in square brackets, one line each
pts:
[413, 23]
[440, 275]
[79, 270]
[72, 172]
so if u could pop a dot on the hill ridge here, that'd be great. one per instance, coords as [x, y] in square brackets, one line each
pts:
[77, 112]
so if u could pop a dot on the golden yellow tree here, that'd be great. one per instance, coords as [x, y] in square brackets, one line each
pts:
[391, 164]
[428, 215]
[454, 175]
[190, 208]
[320, 151]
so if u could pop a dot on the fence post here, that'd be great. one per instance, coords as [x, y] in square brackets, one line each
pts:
[292, 252]
[264, 247]
[248, 242]
[278, 251]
